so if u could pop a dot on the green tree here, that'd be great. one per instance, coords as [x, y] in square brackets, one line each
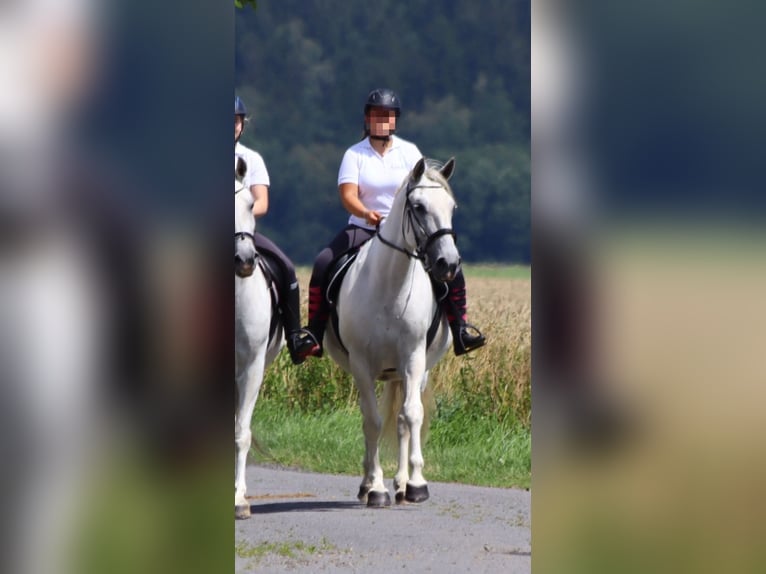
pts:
[461, 69]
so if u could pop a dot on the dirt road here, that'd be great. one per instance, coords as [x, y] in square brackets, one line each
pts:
[306, 522]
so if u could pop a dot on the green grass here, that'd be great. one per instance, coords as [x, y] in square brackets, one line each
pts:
[461, 447]
[291, 549]
[497, 271]
[323, 442]
[294, 550]
[307, 416]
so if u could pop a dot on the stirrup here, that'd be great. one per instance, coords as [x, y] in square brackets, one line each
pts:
[466, 342]
[307, 345]
[300, 346]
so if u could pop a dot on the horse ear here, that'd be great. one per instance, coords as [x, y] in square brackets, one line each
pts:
[241, 168]
[417, 171]
[448, 168]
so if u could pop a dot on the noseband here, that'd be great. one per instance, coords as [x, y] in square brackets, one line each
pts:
[422, 239]
[242, 235]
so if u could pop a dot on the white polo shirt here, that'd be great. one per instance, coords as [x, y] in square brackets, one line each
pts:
[378, 177]
[256, 167]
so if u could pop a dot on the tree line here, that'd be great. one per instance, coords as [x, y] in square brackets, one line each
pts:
[462, 71]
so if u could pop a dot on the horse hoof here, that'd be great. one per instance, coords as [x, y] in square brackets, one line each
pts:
[399, 497]
[378, 499]
[242, 511]
[363, 490]
[416, 493]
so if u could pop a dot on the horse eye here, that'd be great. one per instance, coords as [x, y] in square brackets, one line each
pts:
[420, 208]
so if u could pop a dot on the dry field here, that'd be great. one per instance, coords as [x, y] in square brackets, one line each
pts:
[494, 381]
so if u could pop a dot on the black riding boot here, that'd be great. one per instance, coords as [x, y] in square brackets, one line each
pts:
[297, 343]
[465, 337]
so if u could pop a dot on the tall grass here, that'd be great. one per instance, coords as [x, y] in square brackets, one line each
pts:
[492, 382]
[482, 405]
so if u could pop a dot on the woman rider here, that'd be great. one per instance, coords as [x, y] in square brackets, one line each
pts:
[370, 174]
[257, 180]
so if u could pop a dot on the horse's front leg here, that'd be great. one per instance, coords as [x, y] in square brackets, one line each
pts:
[403, 471]
[414, 488]
[372, 486]
[248, 384]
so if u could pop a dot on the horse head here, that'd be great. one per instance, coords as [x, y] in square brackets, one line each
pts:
[427, 224]
[244, 223]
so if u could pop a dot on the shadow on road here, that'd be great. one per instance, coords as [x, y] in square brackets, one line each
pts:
[304, 506]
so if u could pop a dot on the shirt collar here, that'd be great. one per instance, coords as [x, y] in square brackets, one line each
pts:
[394, 143]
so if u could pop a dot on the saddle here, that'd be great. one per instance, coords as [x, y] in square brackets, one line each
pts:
[274, 281]
[337, 271]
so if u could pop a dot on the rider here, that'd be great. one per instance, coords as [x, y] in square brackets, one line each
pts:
[370, 173]
[257, 179]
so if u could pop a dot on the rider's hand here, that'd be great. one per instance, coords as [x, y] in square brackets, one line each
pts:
[372, 217]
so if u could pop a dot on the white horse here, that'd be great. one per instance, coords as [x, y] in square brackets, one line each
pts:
[253, 349]
[385, 307]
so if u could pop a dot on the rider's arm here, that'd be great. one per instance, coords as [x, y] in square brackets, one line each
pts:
[261, 196]
[349, 197]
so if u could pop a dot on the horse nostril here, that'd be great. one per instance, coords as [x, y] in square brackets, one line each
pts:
[246, 262]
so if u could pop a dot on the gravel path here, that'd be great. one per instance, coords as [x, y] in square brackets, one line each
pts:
[307, 522]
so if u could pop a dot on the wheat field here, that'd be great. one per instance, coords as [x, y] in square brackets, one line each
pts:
[491, 382]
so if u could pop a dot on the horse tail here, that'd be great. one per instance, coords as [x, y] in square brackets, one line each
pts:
[259, 447]
[391, 402]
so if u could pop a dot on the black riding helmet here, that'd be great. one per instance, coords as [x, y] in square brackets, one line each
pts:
[385, 99]
[239, 107]
[240, 110]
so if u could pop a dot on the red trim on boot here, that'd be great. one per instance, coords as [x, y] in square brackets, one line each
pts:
[458, 298]
[315, 304]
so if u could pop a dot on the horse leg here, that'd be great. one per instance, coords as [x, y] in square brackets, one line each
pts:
[417, 487]
[251, 379]
[403, 434]
[372, 486]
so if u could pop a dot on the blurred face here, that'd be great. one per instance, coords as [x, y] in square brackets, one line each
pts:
[381, 121]
[238, 125]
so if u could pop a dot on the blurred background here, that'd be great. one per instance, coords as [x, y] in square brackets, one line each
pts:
[115, 352]
[648, 253]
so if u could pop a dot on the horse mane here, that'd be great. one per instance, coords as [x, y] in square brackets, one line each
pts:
[433, 171]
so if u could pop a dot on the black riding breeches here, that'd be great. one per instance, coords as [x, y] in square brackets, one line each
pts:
[350, 237]
[264, 245]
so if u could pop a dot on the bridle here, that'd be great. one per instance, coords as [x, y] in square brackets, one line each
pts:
[423, 239]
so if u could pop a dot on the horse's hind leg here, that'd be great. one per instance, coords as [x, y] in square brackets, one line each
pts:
[372, 486]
